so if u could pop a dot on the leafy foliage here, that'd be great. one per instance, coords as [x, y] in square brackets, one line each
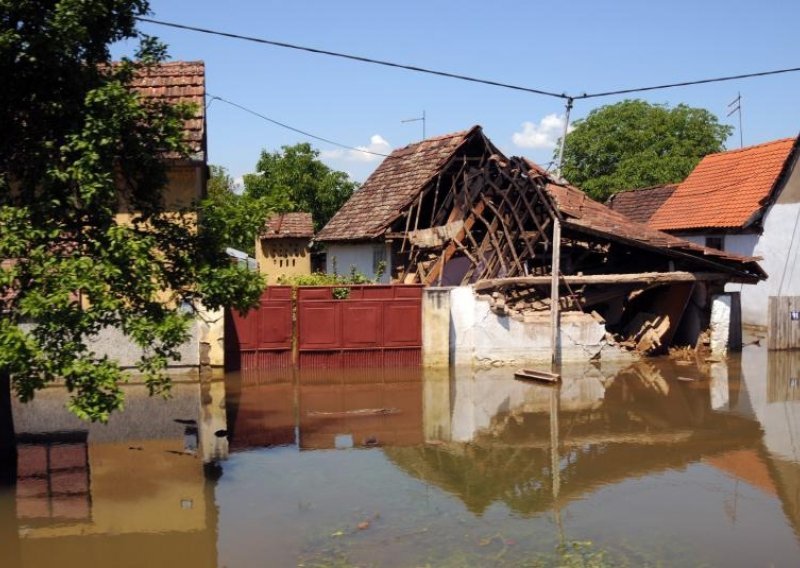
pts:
[323, 279]
[634, 144]
[237, 219]
[79, 146]
[295, 180]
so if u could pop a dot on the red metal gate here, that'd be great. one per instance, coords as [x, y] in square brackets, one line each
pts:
[372, 326]
[263, 338]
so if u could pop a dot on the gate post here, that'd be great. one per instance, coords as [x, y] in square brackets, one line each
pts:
[436, 327]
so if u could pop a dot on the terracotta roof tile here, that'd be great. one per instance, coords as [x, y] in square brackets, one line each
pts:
[391, 186]
[288, 225]
[179, 82]
[726, 189]
[640, 204]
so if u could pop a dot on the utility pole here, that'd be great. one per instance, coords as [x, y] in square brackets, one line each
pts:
[555, 324]
[418, 119]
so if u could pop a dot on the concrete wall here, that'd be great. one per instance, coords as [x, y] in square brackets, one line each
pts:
[113, 343]
[360, 255]
[478, 337]
[282, 257]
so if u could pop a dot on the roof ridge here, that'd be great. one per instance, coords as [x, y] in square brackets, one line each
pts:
[752, 147]
[439, 138]
[648, 188]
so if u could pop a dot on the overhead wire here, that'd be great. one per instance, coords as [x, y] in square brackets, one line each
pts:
[686, 83]
[213, 98]
[356, 58]
[419, 69]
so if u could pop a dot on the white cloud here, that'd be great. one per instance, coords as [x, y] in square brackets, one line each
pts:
[544, 135]
[377, 144]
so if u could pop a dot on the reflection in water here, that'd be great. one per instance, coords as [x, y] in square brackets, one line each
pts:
[656, 462]
[110, 495]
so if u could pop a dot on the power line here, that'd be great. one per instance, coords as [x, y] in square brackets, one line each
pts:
[687, 83]
[418, 69]
[356, 58]
[213, 98]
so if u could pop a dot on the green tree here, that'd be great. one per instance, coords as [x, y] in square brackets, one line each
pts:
[294, 179]
[634, 144]
[235, 218]
[76, 140]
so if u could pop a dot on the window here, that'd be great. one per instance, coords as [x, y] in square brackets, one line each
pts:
[717, 242]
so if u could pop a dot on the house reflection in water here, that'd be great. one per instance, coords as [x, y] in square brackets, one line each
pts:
[138, 482]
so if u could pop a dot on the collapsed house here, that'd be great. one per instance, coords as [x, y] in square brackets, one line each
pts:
[454, 211]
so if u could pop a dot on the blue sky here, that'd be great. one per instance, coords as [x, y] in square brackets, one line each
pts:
[575, 47]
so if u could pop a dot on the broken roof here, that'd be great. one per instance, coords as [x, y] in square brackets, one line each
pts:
[726, 190]
[179, 82]
[640, 204]
[391, 187]
[588, 216]
[288, 225]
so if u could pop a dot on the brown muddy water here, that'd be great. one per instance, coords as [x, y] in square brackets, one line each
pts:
[620, 465]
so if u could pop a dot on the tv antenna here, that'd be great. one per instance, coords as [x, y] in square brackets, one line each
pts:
[418, 119]
[735, 106]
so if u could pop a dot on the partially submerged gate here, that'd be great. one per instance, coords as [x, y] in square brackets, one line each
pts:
[328, 327]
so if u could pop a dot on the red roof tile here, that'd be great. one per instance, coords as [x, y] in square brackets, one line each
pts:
[288, 225]
[725, 190]
[398, 179]
[179, 82]
[640, 204]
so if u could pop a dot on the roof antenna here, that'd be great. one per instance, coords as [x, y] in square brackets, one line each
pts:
[421, 118]
[737, 107]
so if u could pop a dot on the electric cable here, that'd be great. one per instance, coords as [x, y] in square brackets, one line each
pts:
[213, 98]
[418, 69]
[355, 58]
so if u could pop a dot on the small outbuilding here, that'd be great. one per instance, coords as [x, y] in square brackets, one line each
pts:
[282, 248]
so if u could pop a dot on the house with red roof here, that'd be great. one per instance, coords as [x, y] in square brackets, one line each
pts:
[744, 201]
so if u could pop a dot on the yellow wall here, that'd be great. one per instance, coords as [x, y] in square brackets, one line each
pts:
[282, 257]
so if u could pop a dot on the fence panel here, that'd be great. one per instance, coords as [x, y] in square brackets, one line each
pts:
[349, 326]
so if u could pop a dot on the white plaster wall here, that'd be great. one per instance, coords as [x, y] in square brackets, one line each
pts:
[779, 246]
[482, 338]
[359, 255]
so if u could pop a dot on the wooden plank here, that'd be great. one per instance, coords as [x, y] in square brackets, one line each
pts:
[783, 332]
[637, 278]
[537, 375]
[448, 252]
[435, 236]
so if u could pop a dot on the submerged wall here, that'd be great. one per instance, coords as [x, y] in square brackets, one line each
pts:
[479, 337]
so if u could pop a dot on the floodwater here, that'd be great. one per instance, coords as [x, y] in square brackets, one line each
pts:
[655, 463]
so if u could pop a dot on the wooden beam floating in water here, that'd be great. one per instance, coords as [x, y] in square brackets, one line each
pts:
[533, 374]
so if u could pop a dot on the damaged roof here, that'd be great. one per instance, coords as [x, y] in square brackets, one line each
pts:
[390, 188]
[641, 204]
[726, 190]
[584, 214]
[288, 225]
[179, 82]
